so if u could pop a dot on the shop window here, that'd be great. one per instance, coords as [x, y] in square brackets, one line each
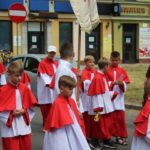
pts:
[5, 35]
[65, 32]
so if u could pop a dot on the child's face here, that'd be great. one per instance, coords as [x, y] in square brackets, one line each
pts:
[115, 61]
[66, 91]
[15, 78]
[90, 64]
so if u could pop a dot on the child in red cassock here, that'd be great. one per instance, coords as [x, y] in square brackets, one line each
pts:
[87, 76]
[16, 111]
[102, 106]
[62, 127]
[118, 79]
[141, 138]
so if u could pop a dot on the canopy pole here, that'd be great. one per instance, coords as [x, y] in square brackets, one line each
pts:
[78, 65]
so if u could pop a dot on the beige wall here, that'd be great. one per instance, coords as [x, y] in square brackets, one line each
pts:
[106, 38]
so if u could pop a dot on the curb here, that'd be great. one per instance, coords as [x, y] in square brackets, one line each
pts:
[135, 107]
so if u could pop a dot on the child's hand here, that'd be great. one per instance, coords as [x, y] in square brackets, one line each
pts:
[16, 112]
[118, 82]
[80, 114]
[79, 73]
[22, 111]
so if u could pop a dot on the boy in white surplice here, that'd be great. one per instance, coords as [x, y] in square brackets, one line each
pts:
[62, 127]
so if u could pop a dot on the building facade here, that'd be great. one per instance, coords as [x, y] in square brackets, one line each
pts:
[124, 26]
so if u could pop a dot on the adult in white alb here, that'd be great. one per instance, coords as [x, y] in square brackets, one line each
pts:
[65, 68]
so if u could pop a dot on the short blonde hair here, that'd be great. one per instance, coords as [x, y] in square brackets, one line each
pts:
[103, 62]
[15, 67]
[89, 57]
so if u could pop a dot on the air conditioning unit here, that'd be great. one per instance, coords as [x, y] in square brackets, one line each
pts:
[51, 6]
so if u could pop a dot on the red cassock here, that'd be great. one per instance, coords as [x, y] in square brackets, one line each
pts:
[59, 115]
[46, 66]
[8, 103]
[8, 97]
[74, 70]
[105, 123]
[25, 78]
[2, 68]
[87, 75]
[120, 75]
[97, 85]
[141, 122]
[119, 114]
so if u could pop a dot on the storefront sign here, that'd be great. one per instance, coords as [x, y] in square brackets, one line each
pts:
[135, 10]
[144, 42]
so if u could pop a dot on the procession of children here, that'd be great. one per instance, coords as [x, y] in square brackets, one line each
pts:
[94, 121]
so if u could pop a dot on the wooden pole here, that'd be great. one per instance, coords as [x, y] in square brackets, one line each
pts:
[78, 65]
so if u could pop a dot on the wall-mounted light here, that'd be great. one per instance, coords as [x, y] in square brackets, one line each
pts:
[107, 25]
[119, 25]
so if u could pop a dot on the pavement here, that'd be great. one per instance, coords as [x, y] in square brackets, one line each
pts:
[133, 106]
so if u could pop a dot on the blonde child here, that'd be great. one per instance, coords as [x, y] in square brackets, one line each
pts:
[16, 111]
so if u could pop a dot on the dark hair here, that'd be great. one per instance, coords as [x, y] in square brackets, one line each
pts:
[66, 81]
[115, 54]
[66, 50]
[15, 67]
[148, 73]
[102, 63]
[147, 86]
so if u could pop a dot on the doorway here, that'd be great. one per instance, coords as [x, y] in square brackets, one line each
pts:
[35, 42]
[92, 44]
[129, 43]
[35, 37]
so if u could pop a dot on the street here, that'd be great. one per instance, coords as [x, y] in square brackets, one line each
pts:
[37, 135]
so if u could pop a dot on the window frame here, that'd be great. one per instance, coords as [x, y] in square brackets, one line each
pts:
[11, 38]
[71, 24]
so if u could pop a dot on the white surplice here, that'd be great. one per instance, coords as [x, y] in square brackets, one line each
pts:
[69, 137]
[44, 92]
[2, 79]
[19, 126]
[102, 100]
